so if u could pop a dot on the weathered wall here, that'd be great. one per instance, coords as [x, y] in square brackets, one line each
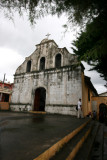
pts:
[63, 89]
[49, 51]
[84, 96]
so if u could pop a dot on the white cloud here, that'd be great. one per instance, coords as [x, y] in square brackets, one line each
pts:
[18, 40]
[10, 60]
[97, 81]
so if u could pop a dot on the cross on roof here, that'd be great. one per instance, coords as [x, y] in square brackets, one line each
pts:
[48, 35]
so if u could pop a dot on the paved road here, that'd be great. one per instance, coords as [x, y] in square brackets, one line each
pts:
[25, 136]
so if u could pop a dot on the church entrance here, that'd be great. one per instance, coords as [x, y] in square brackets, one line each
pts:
[39, 100]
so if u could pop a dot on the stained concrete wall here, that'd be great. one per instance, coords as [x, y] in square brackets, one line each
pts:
[63, 89]
[86, 101]
[84, 96]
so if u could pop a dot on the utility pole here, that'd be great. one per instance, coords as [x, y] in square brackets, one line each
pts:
[4, 79]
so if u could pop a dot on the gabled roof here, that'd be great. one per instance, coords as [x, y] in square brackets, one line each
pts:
[102, 93]
[47, 41]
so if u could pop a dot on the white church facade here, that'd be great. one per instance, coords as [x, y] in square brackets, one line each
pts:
[49, 80]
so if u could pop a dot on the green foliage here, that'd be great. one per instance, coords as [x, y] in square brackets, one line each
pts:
[90, 14]
[91, 45]
[77, 10]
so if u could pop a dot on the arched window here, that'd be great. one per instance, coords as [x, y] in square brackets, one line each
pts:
[28, 69]
[58, 61]
[42, 63]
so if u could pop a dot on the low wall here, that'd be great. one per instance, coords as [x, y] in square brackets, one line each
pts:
[66, 110]
[20, 107]
[4, 105]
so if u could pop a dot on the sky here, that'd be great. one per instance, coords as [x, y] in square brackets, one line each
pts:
[18, 39]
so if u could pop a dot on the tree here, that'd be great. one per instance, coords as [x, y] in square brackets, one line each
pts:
[90, 14]
[91, 46]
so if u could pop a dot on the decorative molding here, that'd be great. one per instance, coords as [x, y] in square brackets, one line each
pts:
[70, 67]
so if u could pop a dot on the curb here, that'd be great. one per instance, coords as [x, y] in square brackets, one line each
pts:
[49, 153]
[78, 145]
[37, 112]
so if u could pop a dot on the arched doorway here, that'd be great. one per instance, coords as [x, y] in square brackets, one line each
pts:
[102, 112]
[39, 100]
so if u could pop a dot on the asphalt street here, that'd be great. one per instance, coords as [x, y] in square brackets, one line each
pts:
[25, 136]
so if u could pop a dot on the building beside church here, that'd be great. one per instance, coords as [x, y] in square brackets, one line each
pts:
[5, 94]
[50, 80]
[103, 94]
[99, 104]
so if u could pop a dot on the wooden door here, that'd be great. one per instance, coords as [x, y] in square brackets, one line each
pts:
[37, 100]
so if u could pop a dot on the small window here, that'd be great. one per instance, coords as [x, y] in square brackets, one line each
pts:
[88, 95]
[6, 87]
[28, 69]
[42, 63]
[6, 98]
[58, 61]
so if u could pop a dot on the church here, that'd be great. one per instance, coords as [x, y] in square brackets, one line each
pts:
[50, 80]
